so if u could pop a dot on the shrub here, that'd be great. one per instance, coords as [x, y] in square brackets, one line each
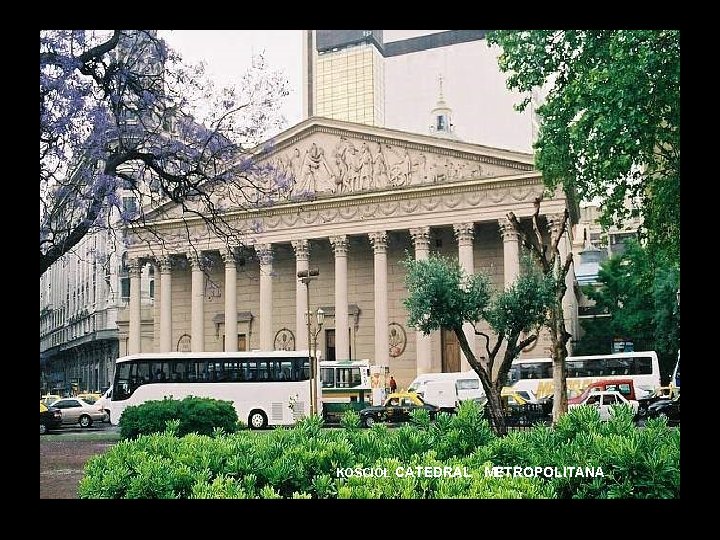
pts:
[303, 461]
[190, 415]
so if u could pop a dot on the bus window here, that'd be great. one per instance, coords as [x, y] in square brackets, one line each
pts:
[327, 376]
[643, 365]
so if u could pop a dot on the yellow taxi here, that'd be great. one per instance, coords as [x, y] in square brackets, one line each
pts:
[397, 408]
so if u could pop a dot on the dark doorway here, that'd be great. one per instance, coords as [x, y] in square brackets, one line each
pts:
[329, 344]
[450, 351]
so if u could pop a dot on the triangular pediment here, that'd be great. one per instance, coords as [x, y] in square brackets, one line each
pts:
[324, 157]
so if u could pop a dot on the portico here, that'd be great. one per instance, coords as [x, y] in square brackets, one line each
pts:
[360, 200]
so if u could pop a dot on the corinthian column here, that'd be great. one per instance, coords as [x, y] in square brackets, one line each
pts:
[197, 303]
[378, 240]
[421, 239]
[511, 251]
[231, 336]
[342, 338]
[134, 338]
[265, 254]
[302, 263]
[165, 304]
[464, 233]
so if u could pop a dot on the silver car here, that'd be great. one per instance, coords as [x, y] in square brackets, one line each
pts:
[76, 411]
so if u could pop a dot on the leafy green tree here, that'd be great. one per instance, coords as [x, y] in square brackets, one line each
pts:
[441, 295]
[641, 303]
[610, 125]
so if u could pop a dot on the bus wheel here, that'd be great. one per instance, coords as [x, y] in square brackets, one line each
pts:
[257, 420]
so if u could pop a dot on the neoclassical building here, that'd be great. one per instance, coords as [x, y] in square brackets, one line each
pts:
[360, 200]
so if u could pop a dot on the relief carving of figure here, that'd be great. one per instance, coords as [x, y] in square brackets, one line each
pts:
[343, 152]
[381, 170]
[365, 168]
[315, 174]
[401, 173]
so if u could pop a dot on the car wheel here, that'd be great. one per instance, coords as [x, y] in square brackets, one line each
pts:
[369, 421]
[85, 421]
[43, 429]
[663, 415]
[257, 420]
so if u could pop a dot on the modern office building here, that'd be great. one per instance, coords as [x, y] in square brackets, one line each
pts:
[389, 78]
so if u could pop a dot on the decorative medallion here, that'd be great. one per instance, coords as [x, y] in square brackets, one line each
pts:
[396, 339]
[183, 344]
[284, 340]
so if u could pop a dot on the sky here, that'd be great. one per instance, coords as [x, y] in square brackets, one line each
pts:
[228, 54]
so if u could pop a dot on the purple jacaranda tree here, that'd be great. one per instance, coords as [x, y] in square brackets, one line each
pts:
[123, 117]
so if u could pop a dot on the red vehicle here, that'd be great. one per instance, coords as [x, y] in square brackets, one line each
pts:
[624, 386]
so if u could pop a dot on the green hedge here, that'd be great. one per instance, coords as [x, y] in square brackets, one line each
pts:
[193, 414]
[302, 462]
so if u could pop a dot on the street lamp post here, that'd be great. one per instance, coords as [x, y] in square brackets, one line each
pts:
[306, 276]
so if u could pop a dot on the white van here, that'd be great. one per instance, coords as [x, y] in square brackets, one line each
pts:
[466, 383]
[442, 394]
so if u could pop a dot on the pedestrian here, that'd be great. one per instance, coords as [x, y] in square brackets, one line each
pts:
[393, 385]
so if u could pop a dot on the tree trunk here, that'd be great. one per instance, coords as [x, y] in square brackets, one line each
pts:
[494, 403]
[559, 355]
[497, 412]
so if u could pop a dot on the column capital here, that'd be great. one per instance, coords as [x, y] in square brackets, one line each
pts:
[378, 241]
[302, 249]
[464, 233]
[421, 237]
[507, 230]
[165, 263]
[228, 256]
[195, 259]
[135, 267]
[340, 245]
[265, 254]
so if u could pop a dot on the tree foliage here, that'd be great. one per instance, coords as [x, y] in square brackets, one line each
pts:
[641, 305]
[122, 115]
[442, 295]
[610, 125]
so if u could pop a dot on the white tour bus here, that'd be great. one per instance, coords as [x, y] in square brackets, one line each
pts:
[267, 388]
[535, 374]
[467, 384]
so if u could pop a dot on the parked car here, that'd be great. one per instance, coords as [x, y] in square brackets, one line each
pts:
[50, 418]
[397, 408]
[603, 400]
[77, 411]
[666, 408]
[664, 393]
[625, 386]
